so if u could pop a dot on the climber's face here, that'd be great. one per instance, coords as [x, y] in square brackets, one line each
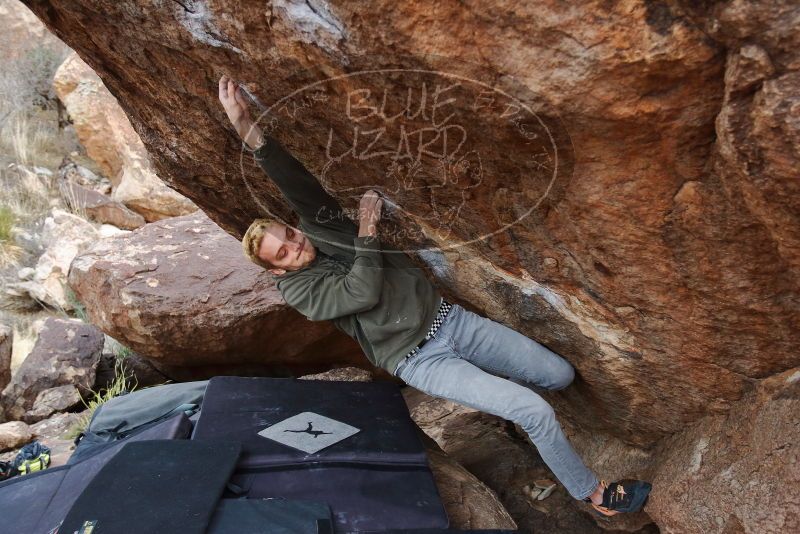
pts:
[285, 247]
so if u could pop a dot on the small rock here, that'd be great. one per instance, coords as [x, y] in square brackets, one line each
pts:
[55, 427]
[550, 263]
[14, 434]
[50, 401]
[26, 273]
[625, 311]
[21, 235]
[108, 230]
[545, 493]
[43, 171]
[532, 493]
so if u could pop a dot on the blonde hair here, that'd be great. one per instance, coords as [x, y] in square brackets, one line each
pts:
[251, 242]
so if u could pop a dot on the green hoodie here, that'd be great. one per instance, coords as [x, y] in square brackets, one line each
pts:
[374, 294]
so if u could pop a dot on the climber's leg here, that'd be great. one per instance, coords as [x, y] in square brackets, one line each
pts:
[505, 352]
[439, 370]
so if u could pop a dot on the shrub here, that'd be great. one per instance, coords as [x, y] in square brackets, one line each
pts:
[7, 219]
[124, 382]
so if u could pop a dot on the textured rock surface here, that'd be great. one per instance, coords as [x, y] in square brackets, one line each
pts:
[107, 135]
[181, 292]
[24, 40]
[735, 473]
[52, 433]
[20, 27]
[66, 353]
[50, 401]
[470, 503]
[351, 374]
[71, 172]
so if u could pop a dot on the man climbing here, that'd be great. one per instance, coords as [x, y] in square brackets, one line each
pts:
[330, 269]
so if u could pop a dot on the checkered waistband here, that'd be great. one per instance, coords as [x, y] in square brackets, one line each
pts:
[444, 309]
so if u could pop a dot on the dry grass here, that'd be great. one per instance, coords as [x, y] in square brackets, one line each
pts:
[72, 202]
[29, 136]
[124, 381]
[26, 198]
[33, 140]
[7, 219]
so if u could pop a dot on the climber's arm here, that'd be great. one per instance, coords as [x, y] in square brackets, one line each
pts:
[299, 187]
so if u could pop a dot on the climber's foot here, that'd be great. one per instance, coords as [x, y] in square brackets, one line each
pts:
[622, 497]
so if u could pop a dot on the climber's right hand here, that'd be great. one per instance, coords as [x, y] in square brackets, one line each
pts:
[232, 99]
[369, 213]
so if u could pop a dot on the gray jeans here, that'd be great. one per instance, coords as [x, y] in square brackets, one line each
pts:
[466, 362]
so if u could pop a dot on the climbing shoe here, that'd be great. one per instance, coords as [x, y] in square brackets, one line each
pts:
[622, 497]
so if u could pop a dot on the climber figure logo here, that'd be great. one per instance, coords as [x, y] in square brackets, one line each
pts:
[302, 432]
[450, 152]
[314, 433]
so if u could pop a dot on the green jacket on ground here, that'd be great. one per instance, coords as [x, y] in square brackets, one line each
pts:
[376, 295]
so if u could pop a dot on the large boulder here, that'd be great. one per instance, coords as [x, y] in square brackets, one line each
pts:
[106, 133]
[738, 472]
[627, 253]
[181, 292]
[615, 180]
[66, 353]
